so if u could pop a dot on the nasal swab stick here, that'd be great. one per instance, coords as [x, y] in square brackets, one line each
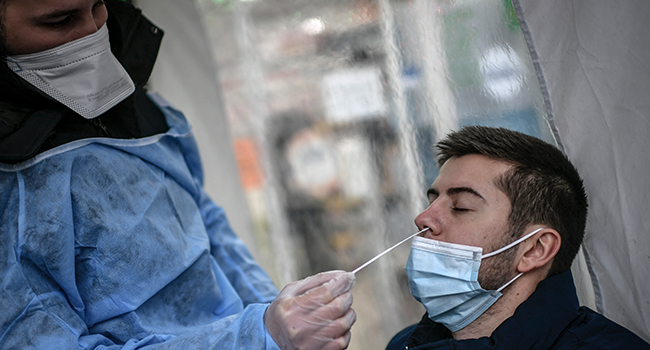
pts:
[387, 250]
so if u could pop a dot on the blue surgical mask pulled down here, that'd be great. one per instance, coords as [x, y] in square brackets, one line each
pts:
[444, 278]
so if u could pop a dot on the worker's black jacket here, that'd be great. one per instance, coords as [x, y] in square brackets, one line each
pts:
[31, 122]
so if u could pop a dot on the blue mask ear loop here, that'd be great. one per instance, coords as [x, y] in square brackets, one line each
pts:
[501, 250]
[507, 284]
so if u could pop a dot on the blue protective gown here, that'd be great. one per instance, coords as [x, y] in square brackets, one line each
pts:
[113, 244]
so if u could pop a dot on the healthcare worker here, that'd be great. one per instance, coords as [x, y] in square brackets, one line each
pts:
[107, 238]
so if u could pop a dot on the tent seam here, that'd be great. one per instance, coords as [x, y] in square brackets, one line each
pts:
[550, 116]
[594, 280]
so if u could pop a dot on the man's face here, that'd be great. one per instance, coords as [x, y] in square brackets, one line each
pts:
[465, 207]
[37, 25]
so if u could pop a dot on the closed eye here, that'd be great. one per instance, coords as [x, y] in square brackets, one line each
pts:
[61, 18]
[60, 23]
[432, 195]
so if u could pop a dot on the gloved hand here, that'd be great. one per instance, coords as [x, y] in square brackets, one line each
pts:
[313, 313]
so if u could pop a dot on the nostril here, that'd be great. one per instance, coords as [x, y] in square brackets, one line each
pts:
[423, 231]
[432, 232]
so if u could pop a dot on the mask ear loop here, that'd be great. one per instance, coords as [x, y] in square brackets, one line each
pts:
[507, 284]
[500, 250]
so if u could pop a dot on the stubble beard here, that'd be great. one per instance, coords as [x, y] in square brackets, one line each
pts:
[497, 270]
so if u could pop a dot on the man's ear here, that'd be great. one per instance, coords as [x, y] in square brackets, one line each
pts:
[539, 250]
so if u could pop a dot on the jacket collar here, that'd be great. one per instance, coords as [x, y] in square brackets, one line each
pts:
[536, 323]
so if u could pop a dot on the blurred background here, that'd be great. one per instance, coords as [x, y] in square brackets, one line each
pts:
[317, 120]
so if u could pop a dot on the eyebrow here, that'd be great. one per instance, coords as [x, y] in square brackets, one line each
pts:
[456, 190]
[57, 14]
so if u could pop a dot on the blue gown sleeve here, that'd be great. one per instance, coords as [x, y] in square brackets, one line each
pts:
[42, 306]
[53, 285]
[249, 280]
[102, 245]
[46, 323]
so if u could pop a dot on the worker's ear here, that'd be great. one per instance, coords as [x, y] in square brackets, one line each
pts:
[539, 250]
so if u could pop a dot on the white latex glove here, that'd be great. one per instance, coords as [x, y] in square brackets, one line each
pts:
[313, 313]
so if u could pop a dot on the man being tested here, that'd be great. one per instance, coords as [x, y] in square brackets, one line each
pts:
[506, 218]
[107, 239]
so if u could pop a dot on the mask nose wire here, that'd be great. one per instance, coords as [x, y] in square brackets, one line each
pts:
[500, 250]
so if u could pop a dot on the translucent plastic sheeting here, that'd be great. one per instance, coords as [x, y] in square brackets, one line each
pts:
[333, 107]
[593, 58]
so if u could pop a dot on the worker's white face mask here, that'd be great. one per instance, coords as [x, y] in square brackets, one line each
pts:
[444, 278]
[82, 74]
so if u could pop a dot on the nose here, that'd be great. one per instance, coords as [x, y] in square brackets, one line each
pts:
[89, 24]
[430, 219]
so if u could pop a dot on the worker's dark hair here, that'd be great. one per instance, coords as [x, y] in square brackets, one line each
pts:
[543, 185]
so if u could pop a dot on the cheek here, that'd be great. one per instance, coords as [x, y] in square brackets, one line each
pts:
[22, 38]
[26, 44]
[19, 42]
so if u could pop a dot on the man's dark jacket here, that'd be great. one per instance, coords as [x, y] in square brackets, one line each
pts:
[550, 319]
[31, 122]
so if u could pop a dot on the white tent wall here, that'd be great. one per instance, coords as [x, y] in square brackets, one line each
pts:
[593, 61]
[185, 75]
